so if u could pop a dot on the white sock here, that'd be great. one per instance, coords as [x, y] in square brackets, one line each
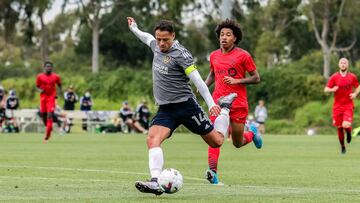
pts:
[222, 122]
[156, 161]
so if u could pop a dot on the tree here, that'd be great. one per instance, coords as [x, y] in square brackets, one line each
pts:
[326, 18]
[92, 12]
[42, 6]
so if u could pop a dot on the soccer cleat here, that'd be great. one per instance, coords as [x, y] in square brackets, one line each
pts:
[226, 101]
[212, 176]
[149, 187]
[343, 150]
[257, 139]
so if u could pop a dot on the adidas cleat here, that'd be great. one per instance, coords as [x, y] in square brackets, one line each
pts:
[148, 187]
[226, 101]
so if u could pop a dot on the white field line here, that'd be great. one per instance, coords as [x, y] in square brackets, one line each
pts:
[271, 188]
[90, 170]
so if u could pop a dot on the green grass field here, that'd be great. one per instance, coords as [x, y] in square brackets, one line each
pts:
[103, 168]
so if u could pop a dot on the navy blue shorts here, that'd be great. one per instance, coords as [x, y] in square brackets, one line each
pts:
[188, 113]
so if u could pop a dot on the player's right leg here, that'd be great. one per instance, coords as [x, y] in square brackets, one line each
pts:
[337, 122]
[161, 128]
[221, 124]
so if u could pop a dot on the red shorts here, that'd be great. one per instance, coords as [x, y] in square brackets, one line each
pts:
[237, 115]
[340, 116]
[47, 104]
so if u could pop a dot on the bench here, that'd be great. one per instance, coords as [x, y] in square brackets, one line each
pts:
[27, 117]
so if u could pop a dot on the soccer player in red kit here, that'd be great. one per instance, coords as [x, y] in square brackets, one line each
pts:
[342, 84]
[228, 67]
[46, 83]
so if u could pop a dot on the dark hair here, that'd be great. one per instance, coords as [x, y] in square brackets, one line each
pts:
[231, 24]
[165, 25]
[48, 63]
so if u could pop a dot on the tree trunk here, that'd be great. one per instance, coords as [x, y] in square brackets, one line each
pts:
[44, 45]
[326, 56]
[95, 47]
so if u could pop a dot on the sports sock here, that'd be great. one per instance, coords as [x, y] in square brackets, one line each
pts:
[348, 134]
[222, 122]
[49, 124]
[213, 158]
[340, 132]
[156, 161]
[248, 137]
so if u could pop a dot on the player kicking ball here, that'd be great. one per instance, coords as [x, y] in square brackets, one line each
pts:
[342, 85]
[173, 68]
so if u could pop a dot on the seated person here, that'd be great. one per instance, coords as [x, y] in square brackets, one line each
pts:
[12, 103]
[143, 114]
[60, 118]
[2, 107]
[113, 127]
[127, 115]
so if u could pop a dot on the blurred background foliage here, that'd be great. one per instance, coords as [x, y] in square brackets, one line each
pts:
[279, 35]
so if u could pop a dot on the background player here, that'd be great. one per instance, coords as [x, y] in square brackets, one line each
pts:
[46, 83]
[172, 68]
[342, 84]
[228, 67]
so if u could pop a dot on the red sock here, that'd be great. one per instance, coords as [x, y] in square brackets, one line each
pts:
[49, 124]
[248, 136]
[348, 131]
[213, 158]
[341, 136]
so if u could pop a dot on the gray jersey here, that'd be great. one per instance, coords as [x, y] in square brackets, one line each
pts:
[170, 82]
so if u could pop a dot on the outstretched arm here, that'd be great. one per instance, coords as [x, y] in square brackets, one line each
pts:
[204, 91]
[145, 37]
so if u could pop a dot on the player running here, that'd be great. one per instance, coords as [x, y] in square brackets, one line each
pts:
[46, 84]
[228, 67]
[172, 68]
[342, 84]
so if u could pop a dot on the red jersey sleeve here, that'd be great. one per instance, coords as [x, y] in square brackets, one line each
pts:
[331, 82]
[38, 81]
[58, 80]
[355, 81]
[249, 63]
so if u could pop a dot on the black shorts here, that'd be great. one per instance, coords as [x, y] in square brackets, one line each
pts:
[188, 113]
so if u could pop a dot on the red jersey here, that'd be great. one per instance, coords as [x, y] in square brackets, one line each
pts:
[234, 64]
[48, 84]
[346, 84]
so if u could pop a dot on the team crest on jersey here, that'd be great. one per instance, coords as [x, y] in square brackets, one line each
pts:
[167, 59]
[232, 71]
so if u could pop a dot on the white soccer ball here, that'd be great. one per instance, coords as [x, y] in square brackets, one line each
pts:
[311, 132]
[170, 180]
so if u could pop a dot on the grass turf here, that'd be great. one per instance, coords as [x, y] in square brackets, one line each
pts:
[103, 168]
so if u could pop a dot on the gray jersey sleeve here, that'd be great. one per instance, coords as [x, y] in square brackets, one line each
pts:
[153, 45]
[184, 58]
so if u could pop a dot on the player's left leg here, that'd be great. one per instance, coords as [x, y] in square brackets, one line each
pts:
[239, 136]
[346, 124]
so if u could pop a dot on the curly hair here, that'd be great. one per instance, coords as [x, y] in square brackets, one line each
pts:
[231, 24]
[165, 25]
